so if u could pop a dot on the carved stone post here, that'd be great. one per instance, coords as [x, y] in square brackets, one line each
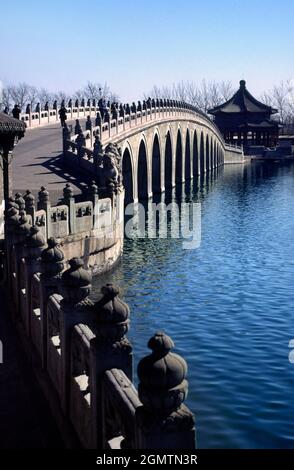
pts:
[66, 135]
[81, 143]
[70, 202]
[11, 224]
[35, 244]
[76, 308]
[164, 422]
[110, 349]
[44, 204]
[95, 199]
[30, 205]
[51, 267]
[20, 201]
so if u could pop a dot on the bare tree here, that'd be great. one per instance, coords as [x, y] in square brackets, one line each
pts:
[45, 96]
[19, 94]
[5, 98]
[226, 90]
[32, 96]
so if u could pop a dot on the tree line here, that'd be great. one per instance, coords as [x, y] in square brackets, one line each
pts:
[24, 94]
[203, 95]
[209, 94]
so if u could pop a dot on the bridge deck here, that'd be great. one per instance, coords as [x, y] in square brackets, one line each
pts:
[37, 162]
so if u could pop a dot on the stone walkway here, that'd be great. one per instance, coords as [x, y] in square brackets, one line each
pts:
[25, 421]
[37, 162]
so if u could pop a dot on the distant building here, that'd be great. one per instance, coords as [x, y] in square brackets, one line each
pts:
[243, 120]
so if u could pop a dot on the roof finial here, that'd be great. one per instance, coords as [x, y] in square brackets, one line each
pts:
[242, 83]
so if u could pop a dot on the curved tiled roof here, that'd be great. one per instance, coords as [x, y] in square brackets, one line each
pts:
[242, 101]
[10, 125]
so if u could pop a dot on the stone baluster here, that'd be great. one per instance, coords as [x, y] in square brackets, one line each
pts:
[89, 127]
[76, 307]
[52, 265]
[35, 244]
[45, 205]
[68, 198]
[30, 204]
[122, 114]
[110, 349]
[163, 422]
[23, 228]
[94, 196]
[81, 143]
[11, 224]
[66, 137]
[97, 155]
[20, 201]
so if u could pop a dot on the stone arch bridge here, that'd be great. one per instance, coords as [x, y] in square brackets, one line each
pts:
[166, 143]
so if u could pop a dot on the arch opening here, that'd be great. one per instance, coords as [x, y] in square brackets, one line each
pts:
[127, 171]
[207, 154]
[142, 173]
[156, 169]
[187, 157]
[168, 162]
[202, 169]
[195, 156]
[179, 158]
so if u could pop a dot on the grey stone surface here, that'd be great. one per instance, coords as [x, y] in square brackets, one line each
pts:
[25, 421]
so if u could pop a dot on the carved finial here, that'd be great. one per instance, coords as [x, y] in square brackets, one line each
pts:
[68, 192]
[20, 201]
[162, 374]
[111, 314]
[24, 227]
[93, 188]
[52, 259]
[29, 199]
[43, 195]
[11, 203]
[35, 239]
[76, 282]
[11, 218]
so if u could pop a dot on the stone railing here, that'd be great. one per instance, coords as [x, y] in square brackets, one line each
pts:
[112, 123]
[85, 357]
[49, 116]
[92, 229]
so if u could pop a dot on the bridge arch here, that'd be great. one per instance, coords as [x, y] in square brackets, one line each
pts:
[127, 171]
[179, 157]
[195, 154]
[207, 154]
[156, 164]
[187, 156]
[211, 166]
[202, 156]
[142, 170]
[168, 161]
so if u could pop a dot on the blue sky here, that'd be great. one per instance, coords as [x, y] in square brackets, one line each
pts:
[133, 45]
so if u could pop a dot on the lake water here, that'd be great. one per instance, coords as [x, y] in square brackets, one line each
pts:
[228, 305]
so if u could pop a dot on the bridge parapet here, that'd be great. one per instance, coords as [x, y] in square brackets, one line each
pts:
[110, 128]
[92, 228]
[86, 358]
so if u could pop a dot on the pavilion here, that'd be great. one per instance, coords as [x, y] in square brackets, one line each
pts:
[243, 120]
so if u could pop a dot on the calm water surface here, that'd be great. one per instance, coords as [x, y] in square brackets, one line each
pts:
[228, 305]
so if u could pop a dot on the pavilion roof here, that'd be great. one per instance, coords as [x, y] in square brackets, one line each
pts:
[242, 101]
[10, 125]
